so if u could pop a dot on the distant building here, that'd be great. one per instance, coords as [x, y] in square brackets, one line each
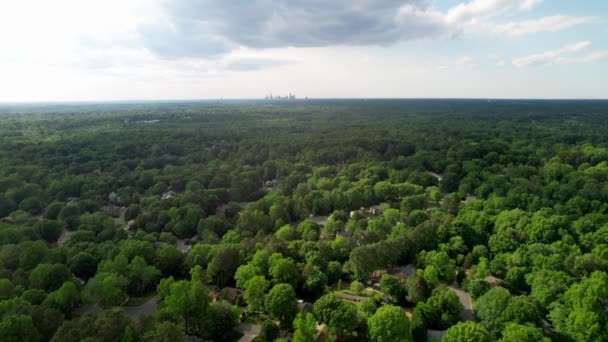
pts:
[168, 195]
[111, 210]
[344, 234]
[113, 197]
[271, 97]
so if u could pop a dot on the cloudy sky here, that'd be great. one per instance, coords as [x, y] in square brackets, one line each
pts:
[91, 50]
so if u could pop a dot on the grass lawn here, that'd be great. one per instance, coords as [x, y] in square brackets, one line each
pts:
[364, 293]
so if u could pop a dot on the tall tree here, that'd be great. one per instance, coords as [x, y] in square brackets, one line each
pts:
[64, 298]
[187, 301]
[255, 288]
[106, 289]
[467, 332]
[305, 327]
[18, 328]
[281, 303]
[514, 332]
[389, 324]
[490, 307]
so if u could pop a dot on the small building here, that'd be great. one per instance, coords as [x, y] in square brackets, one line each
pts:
[375, 210]
[7, 219]
[271, 183]
[229, 294]
[184, 246]
[111, 210]
[357, 213]
[404, 271]
[493, 281]
[130, 225]
[469, 199]
[113, 197]
[344, 234]
[168, 195]
[304, 306]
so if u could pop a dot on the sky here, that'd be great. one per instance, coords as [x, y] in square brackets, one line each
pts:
[117, 50]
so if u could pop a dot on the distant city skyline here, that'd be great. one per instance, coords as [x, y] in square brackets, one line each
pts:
[69, 50]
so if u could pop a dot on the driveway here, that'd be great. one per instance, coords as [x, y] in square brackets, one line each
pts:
[250, 331]
[466, 301]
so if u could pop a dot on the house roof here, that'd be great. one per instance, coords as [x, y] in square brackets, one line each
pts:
[493, 281]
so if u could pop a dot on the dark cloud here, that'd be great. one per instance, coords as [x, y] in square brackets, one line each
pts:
[182, 39]
[206, 27]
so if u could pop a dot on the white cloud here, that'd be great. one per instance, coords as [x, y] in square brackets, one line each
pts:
[501, 63]
[596, 56]
[545, 24]
[479, 10]
[529, 4]
[551, 57]
[589, 58]
[465, 62]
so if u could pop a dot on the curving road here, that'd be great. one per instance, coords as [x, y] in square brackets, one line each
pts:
[466, 301]
[149, 308]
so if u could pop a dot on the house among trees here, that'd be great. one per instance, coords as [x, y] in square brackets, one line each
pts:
[7, 219]
[230, 294]
[493, 281]
[404, 271]
[375, 210]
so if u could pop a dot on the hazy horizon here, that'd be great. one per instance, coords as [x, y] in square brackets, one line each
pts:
[297, 101]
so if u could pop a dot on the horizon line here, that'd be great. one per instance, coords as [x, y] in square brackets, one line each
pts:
[135, 101]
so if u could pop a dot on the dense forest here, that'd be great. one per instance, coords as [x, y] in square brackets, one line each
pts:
[305, 220]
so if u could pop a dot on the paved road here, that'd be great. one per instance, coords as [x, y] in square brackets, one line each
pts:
[87, 309]
[466, 301]
[149, 308]
[250, 331]
[435, 334]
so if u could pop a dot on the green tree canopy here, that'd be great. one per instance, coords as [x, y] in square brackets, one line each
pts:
[389, 324]
[467, 332]
[281, 303]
